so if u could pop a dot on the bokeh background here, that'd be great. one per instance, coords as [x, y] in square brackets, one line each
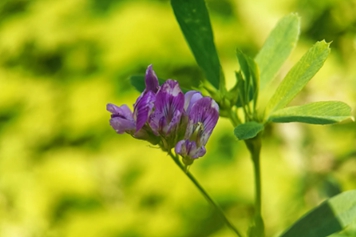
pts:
[65, 172]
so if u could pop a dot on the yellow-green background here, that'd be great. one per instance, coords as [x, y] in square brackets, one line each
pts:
[64, 171]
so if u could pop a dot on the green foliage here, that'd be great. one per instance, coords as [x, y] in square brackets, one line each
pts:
[247, 80]
[194, 21]
[299, 76]
[315, 113]
[331, 216]
[248, 130]
[277, 47]
[138, 82]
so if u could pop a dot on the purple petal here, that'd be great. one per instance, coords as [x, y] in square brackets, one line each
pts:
[189, 149]
[190, 98]
[171, 87]
[143, 107]
[205, 111]
[180, 148]
[169, 98]
[121, 125]
[151, 80]
[168, 108]
[174, 123]
[203, 116]
[123, 110]
[121, 118]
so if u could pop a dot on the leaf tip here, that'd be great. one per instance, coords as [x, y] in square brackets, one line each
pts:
[295, 15]
[327, 44]
[248, 130]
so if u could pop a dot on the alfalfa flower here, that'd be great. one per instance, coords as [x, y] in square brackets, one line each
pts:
[134, 123]
[168, 109]
[165, 116]
[203, 114]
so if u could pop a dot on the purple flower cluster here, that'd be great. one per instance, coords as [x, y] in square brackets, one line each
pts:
[164, 115]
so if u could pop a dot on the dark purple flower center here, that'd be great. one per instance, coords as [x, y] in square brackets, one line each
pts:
[118, 116]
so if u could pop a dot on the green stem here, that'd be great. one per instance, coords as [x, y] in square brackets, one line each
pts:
[254, 147]
[234, 118]
[205, 194]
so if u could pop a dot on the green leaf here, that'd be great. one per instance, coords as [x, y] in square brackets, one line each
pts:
[255, 78]
[247, 79]
[194, 21]
[244, 67]
[299, 76]
[331, 216]
[248, 130]
[277, 48]
[326, 112]
[240, 91]
[138, 82]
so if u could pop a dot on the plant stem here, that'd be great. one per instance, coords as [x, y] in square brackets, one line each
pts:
[234, 118]
[254, 147]
[204, 193]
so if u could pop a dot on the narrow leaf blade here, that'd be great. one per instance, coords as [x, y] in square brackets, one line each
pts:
[299, 76]
[248, 78]
[248, 130]
[326, 112]
[244, 67]
[330, 217]
[194, 21]
[277, 47]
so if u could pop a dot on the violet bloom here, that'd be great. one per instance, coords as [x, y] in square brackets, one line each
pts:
[203, 114]
[145, 101]
[123, 120]
[168, 109]
[163, 115]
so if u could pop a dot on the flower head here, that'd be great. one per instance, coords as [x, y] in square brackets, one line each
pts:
[123, 120]
[203, 116]
[145, 101]
[165, 116]
[168, 109]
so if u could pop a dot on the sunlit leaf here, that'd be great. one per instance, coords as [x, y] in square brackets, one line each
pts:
[255, 77]
[244, 67]
[194, 21]
[299, 76]
[247, 79]
[248, 130]
[326, 112]
[331, 216]
[240, 90]
[277, 48]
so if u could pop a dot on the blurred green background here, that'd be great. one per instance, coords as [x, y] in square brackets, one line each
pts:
[65, 172]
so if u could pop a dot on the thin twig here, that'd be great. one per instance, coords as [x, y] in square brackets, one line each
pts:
[205, 194]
